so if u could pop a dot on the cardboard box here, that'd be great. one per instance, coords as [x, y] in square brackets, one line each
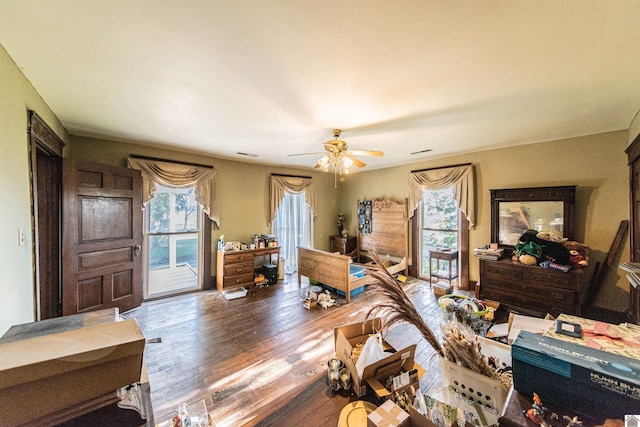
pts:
[402, 381]
[590, 381]
[519, 322]
[388, 415]
[43, 375]
[622, 340]
[347, 337]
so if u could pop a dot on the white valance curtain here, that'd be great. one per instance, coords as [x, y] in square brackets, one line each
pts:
[459, 177]
[292, 184]
[180, 175]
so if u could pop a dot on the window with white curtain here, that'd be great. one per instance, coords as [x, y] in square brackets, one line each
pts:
[293, 224]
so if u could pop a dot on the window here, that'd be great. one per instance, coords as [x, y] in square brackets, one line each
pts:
[439, 225]
[293, 225]
[172, 235]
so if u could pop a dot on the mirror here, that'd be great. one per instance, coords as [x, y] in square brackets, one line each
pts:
[514, 210]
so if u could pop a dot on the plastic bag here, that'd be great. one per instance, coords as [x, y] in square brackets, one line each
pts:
[371, 353]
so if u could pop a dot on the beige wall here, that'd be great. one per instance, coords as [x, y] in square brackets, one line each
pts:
[16, 262]
[596, 164]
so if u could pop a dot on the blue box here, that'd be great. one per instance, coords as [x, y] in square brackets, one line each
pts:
[567, 375]
[343, 294]
[356, 270]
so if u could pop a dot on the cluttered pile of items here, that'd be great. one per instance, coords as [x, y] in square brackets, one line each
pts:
[573, 364]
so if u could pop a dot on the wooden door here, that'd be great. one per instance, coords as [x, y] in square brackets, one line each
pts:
[101, 237]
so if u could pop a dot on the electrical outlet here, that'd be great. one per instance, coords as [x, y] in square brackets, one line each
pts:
[20, 237]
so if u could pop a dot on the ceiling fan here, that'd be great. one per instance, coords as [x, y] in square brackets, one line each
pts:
[338, 155]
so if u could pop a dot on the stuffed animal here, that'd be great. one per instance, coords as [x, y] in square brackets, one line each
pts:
[577, 253]
[527, 259]
[528, 253]
[551, 251]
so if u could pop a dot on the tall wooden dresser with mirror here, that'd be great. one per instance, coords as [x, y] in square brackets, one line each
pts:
[531, 288]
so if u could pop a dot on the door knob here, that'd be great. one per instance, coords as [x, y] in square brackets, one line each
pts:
[136, 249]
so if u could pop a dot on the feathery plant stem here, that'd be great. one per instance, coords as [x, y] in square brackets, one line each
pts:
[397, 308]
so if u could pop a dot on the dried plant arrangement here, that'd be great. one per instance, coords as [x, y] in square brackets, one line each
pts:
[459, 344]
[461, 348]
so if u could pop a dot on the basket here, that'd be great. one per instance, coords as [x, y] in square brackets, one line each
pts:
[475, 387]
[461, 298]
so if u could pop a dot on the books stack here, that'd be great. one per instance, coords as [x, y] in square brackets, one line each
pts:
[486, 252]
[633, 270]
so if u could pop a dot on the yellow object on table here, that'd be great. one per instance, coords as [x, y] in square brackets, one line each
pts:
[355, 414]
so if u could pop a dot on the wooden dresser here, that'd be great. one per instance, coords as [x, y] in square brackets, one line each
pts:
[343, 245]
[236, 268]
[532, 288]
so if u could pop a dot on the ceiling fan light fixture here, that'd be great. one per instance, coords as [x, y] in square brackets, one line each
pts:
[324, 163]
[347, 163]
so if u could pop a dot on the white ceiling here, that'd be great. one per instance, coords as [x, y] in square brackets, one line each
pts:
[274, 77]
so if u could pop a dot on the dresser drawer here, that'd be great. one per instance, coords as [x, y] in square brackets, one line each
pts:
[238, 258]
[549, 278]
[554, 301]
[500, 270]
[235, 269]
[238, 280]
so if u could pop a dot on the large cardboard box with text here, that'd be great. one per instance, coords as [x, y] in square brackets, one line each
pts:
[43, 375]
[575, 376]
[346, 337]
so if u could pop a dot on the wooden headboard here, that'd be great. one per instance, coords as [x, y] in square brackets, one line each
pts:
[389, 230]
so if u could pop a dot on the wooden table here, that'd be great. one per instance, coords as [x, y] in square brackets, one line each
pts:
[447, 256]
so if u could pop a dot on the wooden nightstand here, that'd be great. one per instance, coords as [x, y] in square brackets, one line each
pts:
[343, 245]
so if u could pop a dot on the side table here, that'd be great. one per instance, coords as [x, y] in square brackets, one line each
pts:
[450, 258]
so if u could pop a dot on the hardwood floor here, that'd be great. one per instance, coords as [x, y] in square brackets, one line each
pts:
[261, 360]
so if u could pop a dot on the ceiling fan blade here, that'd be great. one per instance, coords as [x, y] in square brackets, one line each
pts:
[365, 153]
[357, 162]
[306, 154]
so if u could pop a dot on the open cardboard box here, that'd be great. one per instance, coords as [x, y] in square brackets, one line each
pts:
[375, 375]
[346, 337]
[42, 375]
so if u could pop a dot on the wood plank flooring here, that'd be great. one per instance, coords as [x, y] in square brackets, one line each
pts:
[261, 360]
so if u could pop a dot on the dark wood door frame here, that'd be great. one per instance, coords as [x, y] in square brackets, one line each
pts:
[45, 148]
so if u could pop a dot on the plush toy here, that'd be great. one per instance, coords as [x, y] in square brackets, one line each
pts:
[551, 251]
[528, 253]
[528, 259]
[577, 253]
